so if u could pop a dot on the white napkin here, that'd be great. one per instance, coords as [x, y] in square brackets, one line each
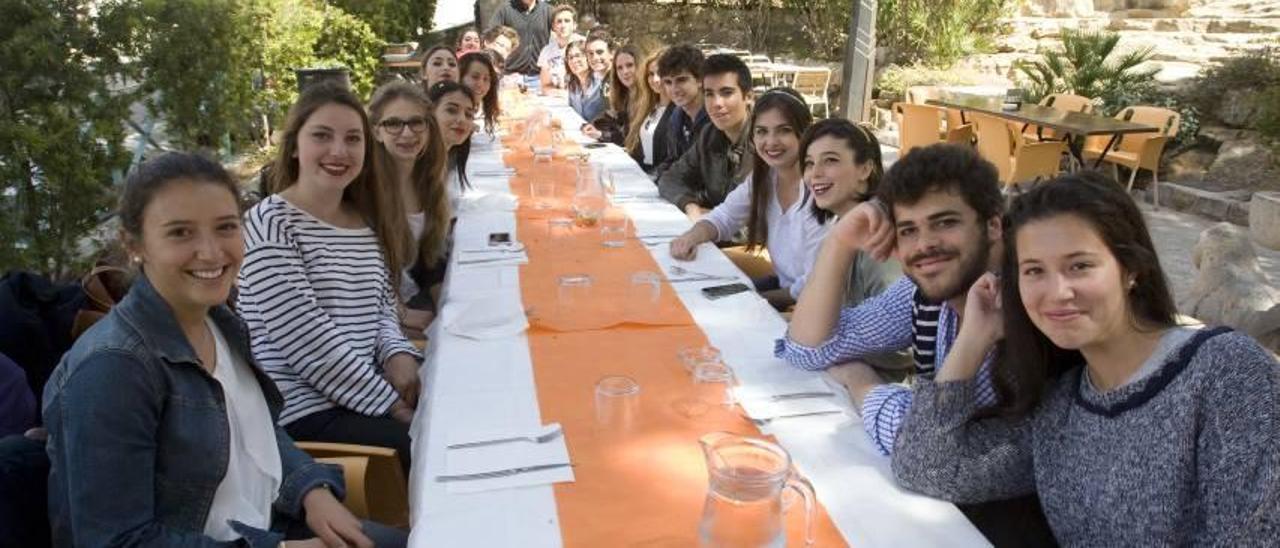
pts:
[488, 201]
[483, 319]
[760, 401]
[473, 460]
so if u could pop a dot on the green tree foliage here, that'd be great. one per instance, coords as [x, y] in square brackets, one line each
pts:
[937, 32]
[392, 20]
[1091, 64]
[194, 60]
[60, 134]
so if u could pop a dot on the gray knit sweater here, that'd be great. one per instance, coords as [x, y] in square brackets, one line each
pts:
[1187, 455]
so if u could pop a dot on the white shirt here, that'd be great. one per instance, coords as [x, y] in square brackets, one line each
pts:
[252, 481]
[417, 223]
[648, 130]
[794, 235]
[552, 58]
[453, 190]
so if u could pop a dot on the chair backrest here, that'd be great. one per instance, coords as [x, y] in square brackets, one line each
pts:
[918, 126]
[1068, 102]
[995, 142]
[354, 470]
[812, 82]
[384, 484]
[1167, 120]
[920, 94]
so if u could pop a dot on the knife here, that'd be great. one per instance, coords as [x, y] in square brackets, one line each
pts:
[502, 473]
[801, 396]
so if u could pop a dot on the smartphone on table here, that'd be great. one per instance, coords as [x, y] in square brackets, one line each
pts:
[719, 291]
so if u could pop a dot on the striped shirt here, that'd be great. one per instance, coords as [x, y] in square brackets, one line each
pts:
[320, 309]
[888, 323]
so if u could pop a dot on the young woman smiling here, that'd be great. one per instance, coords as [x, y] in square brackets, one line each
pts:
[585, 87]
[481, 77]
[455, 113]
[647, 130]
[771, 203]
[438, 65]
[323, 259]
[162, 428]
[613, 125]
[411, 151]
[1132, 429]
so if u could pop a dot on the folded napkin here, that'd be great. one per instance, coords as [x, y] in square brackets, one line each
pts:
[483, 319]
[770, 401]
[505, 456]
[488, 201]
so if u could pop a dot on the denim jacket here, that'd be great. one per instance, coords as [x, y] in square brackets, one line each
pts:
[138, 434]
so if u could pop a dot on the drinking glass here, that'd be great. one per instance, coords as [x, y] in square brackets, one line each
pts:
[693, 356]
[544, 193]
[643, 293]
[613, 228]
[573, 294]
[617, 404]
[714, 382]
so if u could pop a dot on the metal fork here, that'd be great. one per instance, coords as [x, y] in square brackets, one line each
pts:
[502, 473]
[809, 414]
[540, 438]
[682, 271]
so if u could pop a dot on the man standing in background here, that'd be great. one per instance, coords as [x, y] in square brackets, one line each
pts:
[532, 21]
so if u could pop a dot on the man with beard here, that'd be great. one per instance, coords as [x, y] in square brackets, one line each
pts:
[945, 205]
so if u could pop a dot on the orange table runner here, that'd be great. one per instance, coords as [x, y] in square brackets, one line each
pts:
[645, 486]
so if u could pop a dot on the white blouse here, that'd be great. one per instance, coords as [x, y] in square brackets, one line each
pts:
[647, 131]
[794, 235]
[252, 481]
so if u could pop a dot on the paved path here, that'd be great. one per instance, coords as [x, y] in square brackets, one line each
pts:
[1176, 233]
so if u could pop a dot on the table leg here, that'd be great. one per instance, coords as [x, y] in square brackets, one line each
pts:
[1110, 143]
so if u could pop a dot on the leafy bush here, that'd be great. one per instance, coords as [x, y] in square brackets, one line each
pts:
[1257, 72]
[937, 32]
[1269, 113]
[894, 80]
[392, 20]
[60, 135]
[1090, 64]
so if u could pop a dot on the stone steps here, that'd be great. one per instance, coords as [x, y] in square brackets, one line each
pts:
[1219, 206]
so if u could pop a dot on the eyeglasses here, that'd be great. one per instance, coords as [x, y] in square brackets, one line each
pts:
[396, 125]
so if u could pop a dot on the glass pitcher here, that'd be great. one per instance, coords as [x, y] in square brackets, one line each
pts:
[588, 197]
[744, 507]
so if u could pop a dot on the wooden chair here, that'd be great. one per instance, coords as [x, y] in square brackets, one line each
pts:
[376, 487]
[1016, 164]
[812, 85]
[1138, 150]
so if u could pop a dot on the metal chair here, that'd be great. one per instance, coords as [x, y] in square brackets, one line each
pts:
[1138, 150]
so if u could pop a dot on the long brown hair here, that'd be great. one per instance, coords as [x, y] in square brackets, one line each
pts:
[371, 199]
[490, 100]
[793, 108]
[621, 98]
[428, 169]
[572, 83]
[645, 101]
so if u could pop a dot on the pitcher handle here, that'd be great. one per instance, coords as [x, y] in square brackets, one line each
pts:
[802, 486]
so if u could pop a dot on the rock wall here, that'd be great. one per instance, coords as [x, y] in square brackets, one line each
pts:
[1185, 34]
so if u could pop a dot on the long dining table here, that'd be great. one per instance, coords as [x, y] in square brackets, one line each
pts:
[646, 488]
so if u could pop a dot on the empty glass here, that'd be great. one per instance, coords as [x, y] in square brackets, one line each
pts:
[613, 228]
[693, 356]
[643, 293]
[559, 227]
[573, 294]
[543, 192]
[617, 404]
[714, 382]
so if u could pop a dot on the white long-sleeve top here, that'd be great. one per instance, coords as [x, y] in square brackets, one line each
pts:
[321, 311]
[794, 235]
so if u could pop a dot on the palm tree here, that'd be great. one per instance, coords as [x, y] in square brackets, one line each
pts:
[1089, 65]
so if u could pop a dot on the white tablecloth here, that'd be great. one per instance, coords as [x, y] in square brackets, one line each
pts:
[481, 385]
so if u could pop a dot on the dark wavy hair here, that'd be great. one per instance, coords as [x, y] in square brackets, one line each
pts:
[622, 98]
[944, 167]
[795, 111]
[490, 100]
[860, 140]
[1028, 360]
[681, 58]
[457, 155]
